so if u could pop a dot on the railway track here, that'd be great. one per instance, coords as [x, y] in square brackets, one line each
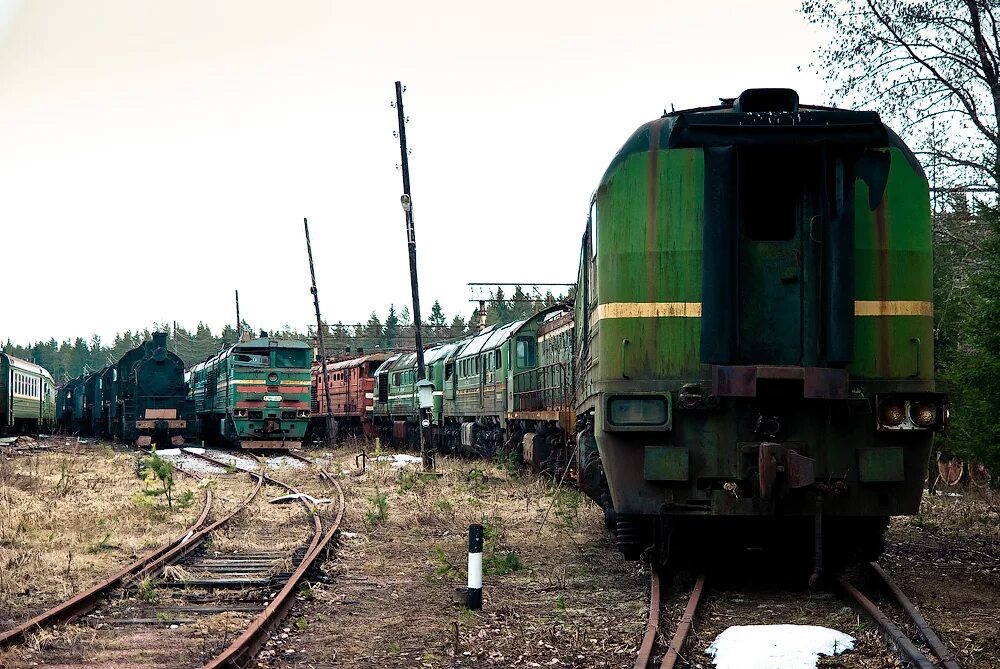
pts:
[196, 590]
[672, 654]
[908, 648]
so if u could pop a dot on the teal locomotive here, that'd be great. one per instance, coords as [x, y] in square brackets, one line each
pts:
[254, 395]
[27, 401]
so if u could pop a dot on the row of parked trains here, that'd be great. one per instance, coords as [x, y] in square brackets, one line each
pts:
[749, 354]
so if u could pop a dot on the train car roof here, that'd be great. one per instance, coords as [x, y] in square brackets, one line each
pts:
[26, 366]
[260, 342]
[271, 342]
[761, 117]
[355, 362]
[387, 364]
[444, 351]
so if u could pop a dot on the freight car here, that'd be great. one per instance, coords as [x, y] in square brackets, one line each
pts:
[142, 398]
[753, 327]
[27, 401]
[255, 394]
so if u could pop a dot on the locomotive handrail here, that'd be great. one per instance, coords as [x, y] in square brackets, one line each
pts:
[541, 388]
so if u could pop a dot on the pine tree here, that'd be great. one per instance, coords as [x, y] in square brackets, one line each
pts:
[391, 331]
[972, 374]
[371, 337]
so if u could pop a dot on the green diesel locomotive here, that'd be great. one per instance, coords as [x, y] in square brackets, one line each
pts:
[753, 325]
[254, 395]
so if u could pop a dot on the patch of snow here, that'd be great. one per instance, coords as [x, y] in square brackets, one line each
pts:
[168, 451]
[399, 460]
[291, 498]
[769, 646]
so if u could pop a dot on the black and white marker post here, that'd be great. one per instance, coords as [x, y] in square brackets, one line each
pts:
[474, 595]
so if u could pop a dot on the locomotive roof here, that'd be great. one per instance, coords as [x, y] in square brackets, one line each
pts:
[260, 342]
[26, 366]
[490, 338]
[272, 342]
[761, 117]
[354, 362]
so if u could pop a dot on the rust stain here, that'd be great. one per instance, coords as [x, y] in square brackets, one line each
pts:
[882, 288]
[652, 190]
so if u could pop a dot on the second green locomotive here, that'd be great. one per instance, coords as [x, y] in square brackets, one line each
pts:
[254, 395]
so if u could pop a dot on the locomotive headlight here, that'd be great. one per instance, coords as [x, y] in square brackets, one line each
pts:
[923, 413]
[637, 412]
[891, 412]
[239, 413]
[302, 413]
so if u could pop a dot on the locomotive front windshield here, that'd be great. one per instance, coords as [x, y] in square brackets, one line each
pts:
[291, 357]
[279, 357]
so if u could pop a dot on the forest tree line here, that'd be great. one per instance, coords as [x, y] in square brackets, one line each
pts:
[395, 330]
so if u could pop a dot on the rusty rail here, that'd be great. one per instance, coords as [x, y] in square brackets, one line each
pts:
[903, 644]
[684, 626]
[79, 604]
[933, 640]
[255, 635]
[673, 653]
[652, 622]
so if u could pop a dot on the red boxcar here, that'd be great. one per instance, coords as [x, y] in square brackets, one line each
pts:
[352, 388]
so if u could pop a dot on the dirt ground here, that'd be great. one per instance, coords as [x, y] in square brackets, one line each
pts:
[555, 590]
[69, 518]
[557, 593]
[947, 560]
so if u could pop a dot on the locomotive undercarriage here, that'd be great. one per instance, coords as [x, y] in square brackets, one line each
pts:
[807, 481]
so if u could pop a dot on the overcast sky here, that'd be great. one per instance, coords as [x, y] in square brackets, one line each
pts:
[154, 156]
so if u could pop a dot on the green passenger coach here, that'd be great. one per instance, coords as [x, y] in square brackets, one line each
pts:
[254, 395]
[754, 325]
[27, 396]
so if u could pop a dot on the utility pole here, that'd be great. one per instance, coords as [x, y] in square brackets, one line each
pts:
[331, 423]
[411, 240]
[239, 326]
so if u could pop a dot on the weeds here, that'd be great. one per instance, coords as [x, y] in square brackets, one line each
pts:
[444, 568]
[148, 591]
[185, 500]
[102, 546]
[155, 469]
[445, 507]
[501, 565]
[379, 512]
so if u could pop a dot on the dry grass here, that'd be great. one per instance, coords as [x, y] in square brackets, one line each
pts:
[947, 559]
[69, 519]
[555, 587]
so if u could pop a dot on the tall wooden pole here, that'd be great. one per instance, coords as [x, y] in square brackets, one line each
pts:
[331, 423]
[411, 240]
[239, 323]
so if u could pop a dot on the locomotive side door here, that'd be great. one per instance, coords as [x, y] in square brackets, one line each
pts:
[771, 208]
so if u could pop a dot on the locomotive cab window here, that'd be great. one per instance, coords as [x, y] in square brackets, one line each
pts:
[768, 187]
[525, 352]
[291, 357]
